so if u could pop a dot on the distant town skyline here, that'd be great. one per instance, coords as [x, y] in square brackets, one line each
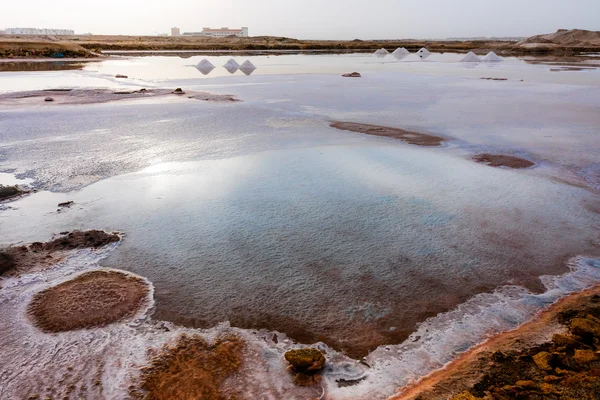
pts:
[311, 19]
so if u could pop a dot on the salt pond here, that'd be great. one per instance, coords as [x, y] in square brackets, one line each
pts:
[260, 214]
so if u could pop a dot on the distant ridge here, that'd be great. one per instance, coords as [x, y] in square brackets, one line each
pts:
[564, 38]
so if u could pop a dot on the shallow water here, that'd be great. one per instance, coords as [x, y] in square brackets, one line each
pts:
[261, 214]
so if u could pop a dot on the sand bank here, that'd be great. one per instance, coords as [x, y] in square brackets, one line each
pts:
[90, 300]
[500, 160]
[54, 97]
[420, 139]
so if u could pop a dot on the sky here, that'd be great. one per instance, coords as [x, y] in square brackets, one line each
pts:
[309, 19]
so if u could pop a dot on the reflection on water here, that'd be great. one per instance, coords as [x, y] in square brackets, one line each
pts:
[206, 67]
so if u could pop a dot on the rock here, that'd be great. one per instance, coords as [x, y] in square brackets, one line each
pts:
[121, 76]
[542, 360]
[352, 75]
[552, 378]
[465, 396]
[585, 328]
[547, 388]
[307, 359]
[48, 99]
[584, 356]
[569, 341]
[178, 91]
[8, 191]
[530, 385]
[66, 204]
[7, 262]
[305, 365]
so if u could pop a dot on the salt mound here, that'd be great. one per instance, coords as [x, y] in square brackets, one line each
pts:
[491, 57]
[231, 66]
[400, 53]
[423, 53]
[471, 57]
[247, 67]
[205, 67]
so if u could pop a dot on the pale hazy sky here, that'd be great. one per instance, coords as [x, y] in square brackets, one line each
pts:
[310, 19]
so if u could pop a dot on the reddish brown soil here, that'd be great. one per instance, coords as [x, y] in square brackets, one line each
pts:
[93, 299]
[421, 139]
[499, 160]
[191, 369]
[37, 256]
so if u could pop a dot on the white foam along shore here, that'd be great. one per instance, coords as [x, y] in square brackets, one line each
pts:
[114, 354]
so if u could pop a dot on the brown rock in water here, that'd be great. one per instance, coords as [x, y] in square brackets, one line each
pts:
[307, 359]
[305, 365]
[584, 356]
[178, 91]
[585, 328]
[352, 75]
[542, 360]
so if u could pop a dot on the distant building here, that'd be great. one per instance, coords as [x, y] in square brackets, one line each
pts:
[222, 32]
[175, 32]
[37, 31]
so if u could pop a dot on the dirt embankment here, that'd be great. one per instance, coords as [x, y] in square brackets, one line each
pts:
[41, 47]
[23, 46]
[556, 356]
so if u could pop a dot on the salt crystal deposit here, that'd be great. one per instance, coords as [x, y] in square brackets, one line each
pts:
[423, 53]
[400, 53]
[491, 57]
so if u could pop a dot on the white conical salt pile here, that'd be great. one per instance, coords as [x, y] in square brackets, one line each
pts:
[205, 67]
[247, 67]
[381, 53]
[231, 66]
[492, 57]
[471, 57]
[400, 53]
[423, 53]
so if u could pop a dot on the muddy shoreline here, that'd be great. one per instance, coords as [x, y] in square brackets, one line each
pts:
[462, 375]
